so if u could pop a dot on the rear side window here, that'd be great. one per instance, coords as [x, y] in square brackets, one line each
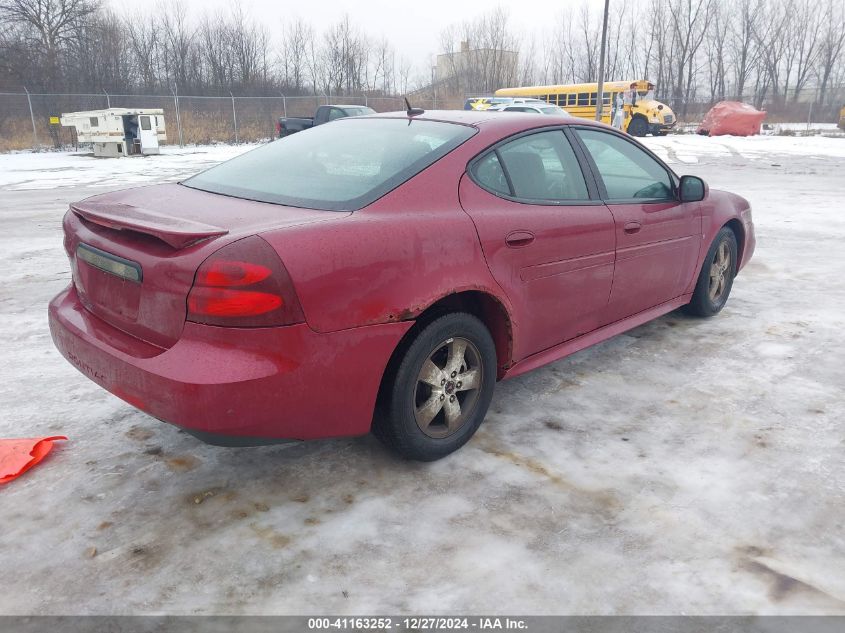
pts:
[489, 173]
[343, 166]
[145, 122]
[537, 167]
[627, 171]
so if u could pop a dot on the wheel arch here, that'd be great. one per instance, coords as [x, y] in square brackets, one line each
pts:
[739, 233]
[488, 308]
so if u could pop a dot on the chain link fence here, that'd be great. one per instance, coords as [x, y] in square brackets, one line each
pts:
[25, 118]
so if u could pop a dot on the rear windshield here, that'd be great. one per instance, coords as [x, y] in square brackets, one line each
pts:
[344, 165]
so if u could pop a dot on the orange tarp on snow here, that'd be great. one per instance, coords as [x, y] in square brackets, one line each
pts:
[732, 117]
[18, 456]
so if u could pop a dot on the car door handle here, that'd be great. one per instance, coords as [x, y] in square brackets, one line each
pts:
[633, 227]
[518, 239]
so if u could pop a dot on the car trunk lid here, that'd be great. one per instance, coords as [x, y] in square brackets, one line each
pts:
[134, 253]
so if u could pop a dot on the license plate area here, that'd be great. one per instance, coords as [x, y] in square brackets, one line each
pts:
[108, 285]
[108, 263]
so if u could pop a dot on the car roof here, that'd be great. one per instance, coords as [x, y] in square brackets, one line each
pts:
[468, 117]
[495, 124]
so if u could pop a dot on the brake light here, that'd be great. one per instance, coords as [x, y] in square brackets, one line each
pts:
[244, 284]
[227, 273]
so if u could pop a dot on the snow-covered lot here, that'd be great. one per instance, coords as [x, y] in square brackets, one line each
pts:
[688, 466]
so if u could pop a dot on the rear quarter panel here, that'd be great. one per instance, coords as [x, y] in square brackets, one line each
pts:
[393, 259]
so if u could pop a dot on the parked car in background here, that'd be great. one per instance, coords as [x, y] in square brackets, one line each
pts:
[495, 103]
[383, 272]
[286, 126]
[484, 103]
[541, 108]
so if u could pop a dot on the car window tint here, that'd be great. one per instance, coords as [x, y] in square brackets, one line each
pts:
[543, 166]
[335, 113]
[343, 166]
[627, 171]
[488, 172]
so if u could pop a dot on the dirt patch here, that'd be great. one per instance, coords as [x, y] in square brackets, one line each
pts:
[139, 433]
[182, 463]
[276, 539]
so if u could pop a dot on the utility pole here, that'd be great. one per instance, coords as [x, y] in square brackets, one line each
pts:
[600, 91]
[234, 116]
[35, 145]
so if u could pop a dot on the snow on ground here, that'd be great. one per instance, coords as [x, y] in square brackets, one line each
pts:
[687, 466]
[24, 171]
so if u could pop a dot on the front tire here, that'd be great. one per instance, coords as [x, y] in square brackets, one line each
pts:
[716, 277]
[441, 389]
[638, 126]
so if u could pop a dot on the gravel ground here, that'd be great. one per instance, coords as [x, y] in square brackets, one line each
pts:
[688, 466]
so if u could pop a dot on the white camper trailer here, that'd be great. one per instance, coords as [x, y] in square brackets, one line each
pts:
[119, 131]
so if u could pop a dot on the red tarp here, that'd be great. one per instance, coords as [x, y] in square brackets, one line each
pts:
[732, 117]
[18, 456]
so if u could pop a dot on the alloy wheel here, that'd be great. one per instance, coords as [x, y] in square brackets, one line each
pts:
[719, 271]
[448, 386]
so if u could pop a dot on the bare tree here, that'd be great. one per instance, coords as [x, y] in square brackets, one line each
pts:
[830, 46]
[52, 23]
[805, 50]
[298, 38]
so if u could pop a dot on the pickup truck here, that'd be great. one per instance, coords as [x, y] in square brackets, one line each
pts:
[286, 126]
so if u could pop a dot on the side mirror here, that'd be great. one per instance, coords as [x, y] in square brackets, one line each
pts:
[692, 189]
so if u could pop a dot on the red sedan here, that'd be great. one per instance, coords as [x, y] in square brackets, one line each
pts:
[382, 273]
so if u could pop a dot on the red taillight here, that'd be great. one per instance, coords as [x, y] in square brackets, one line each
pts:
[231, 303]
[226, 273]
[244, 284]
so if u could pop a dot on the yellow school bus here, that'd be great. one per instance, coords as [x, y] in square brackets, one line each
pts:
[842, 118]
[643, 114]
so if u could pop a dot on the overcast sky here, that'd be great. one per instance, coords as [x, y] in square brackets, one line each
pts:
[413, 26]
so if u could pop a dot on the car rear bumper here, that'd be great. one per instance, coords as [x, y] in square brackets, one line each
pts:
[248, 384]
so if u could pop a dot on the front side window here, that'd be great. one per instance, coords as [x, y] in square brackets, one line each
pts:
[343, 166]
[537, 167]
[627, 171]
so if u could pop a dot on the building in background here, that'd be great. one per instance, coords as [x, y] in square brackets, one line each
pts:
[476, 70]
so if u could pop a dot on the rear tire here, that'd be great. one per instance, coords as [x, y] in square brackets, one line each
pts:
[638, 126]
[716, 277]
[441, 389]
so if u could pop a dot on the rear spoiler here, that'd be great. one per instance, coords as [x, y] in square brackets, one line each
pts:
[175, 232]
